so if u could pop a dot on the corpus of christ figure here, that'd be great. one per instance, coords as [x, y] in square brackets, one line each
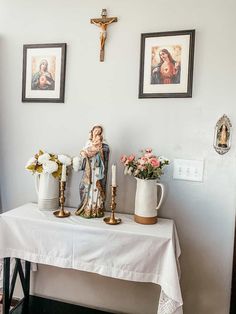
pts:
[102, 23]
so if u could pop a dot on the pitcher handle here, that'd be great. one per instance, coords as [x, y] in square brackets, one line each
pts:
[162, 195]
[36, 182]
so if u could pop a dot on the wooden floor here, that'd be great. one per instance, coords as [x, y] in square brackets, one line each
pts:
[39, 305]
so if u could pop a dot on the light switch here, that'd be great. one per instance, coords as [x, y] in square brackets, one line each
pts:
[191, 170]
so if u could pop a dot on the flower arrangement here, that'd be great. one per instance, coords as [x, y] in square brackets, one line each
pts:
[147, 166]
[43, 162]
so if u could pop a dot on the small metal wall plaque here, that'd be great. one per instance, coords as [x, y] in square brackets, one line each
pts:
[222, 137]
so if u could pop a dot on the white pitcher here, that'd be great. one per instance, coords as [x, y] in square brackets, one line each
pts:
[146, 199]
[47, 188]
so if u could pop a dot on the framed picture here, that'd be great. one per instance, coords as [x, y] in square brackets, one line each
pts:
[43, 77]
[166, 64]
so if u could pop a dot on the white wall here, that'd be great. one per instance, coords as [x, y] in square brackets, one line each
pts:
[107, 93]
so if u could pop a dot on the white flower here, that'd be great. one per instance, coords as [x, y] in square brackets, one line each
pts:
[126, 170]
[50, 167]
[65, 160]
[31, 161]
[130, 170]
[76, 163]
[136, 172]
[43, 158]
[163, 159]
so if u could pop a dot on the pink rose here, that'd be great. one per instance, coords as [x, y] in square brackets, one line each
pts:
[141, 167]
[143, 160]
[131, 157]
[123, 158]
[148, 155]
[155, 162]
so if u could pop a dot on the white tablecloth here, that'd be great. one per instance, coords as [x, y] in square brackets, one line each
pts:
[129, 251]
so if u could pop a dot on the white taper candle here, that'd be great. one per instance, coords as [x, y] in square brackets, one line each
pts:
[63, 173]
[113, 175]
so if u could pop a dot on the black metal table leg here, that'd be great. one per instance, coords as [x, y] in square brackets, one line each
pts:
[6, 285]
[27, 287]
[8, 288]
[27, 278]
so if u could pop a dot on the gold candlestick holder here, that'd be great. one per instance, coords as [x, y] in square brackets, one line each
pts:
[62, 213]
[112, 220]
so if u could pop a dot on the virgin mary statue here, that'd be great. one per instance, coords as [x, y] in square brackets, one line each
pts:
[94, 163]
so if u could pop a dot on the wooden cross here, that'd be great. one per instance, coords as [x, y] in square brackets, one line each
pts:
[102, 23]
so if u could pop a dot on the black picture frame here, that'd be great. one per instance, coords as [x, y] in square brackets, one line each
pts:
[43, 75]
[171, 77]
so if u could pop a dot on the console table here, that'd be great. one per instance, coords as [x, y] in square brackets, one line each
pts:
[129, 251]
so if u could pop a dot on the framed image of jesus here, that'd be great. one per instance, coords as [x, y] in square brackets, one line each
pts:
[166, 64]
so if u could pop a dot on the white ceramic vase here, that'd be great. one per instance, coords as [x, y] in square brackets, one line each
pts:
[47, 188]
[147, 201]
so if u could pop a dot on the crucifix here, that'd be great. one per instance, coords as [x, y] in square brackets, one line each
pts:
[102, 23]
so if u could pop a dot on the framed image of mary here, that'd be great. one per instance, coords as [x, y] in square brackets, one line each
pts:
[43, 78]
[166, 64]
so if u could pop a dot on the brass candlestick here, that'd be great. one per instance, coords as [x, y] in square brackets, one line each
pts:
[112, 220]
[62, 213]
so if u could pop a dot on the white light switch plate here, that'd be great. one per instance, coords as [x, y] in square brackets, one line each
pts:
[191, 170]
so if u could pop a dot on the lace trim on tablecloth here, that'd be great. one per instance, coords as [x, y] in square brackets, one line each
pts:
[167, 305]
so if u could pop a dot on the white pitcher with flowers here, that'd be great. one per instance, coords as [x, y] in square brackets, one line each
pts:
[47, 169]
[147, 169]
